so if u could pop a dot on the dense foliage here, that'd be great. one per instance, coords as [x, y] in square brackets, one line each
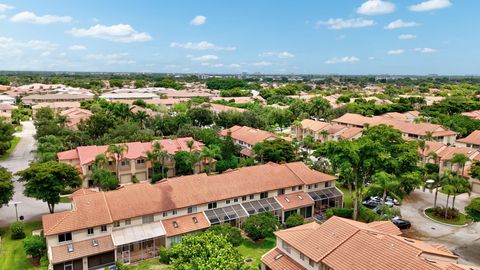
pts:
[6, 186]
[260, 226]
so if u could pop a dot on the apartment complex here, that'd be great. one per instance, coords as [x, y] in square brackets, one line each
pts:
[247, 137]
[472, 140]
[134, 162]
[323, 131]
[131, 223]
[340, 244]
[75, 116]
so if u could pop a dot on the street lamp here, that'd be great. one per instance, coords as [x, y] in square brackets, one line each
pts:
[16, 210]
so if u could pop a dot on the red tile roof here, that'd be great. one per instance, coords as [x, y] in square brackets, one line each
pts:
[472, 138]
[81, 249]
[277, 260]
[294, 200]
[185, 224]
[249, 135]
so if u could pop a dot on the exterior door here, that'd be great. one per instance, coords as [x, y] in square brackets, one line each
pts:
[126, 256]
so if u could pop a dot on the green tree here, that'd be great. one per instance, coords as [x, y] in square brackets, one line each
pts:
[261, 225]
[104, 179]
[473, 209]
[184, 162]
[200, 116]
[209, 154]
[34, 246]
[277, 150]
[294, 220]
[117, 152]
[319, 107]
[45, 181]
[385, 184]
[206, 251]
[157, 157]
[6, 186]
[460, 160]
[233, 234]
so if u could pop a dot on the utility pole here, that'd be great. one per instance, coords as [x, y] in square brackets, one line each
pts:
[16, 209]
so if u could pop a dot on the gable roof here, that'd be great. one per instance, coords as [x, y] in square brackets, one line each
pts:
[249, 135]
[185, 224]
[472, 138]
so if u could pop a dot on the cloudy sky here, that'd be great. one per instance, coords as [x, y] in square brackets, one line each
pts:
[268, 36]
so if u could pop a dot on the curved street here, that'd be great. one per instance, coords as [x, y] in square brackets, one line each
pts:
[464, 241]
[19, 159]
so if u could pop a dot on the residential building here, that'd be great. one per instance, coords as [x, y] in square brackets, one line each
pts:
[408, 129]
[341, 244]
[131, 223]
[323, 131]
[128, 96]
[56, 106]
[472, 140]
[218, 108]
[6, 111]
[241, 100]
[75, 116]
[473, 114]
[247, 137]
[7, 100]
[36, 99]
[134, 161]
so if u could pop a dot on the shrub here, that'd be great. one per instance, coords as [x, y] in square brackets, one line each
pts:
[232, 233]
[294, 220]
[473, 209]
[339, 212]
[367, 215]
[135, 180]
[17, 230]
[261, 225]
[34, 246]
[451, 213]
[165, 255]
[121, 266]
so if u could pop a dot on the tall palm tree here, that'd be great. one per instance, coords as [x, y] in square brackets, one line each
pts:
[141, 116]
[209, 153]
[437, 182]
[190, 145]
[460, 160]
[324, 135]
[449, 189]
[101, 161]
[461, 185]
[117, 152]
[62, 120]
[428, 136]
[386, 184]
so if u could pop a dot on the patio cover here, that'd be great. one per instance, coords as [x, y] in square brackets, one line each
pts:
[327, 193]
[137, 233]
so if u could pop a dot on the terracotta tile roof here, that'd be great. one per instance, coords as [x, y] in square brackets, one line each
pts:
[82, 191]
[351, 132]
[277, 260]
[57, 105]
[185, 224]
[68, 155]
[89, 210]
[175, 193]
[314, 125]
[396, 115]
[432, 146]
[294, 200]
[81, 249]
[472, 114]
[217, 108]
[449, 152]
[472, 138]
[249, 135]
[385, 227]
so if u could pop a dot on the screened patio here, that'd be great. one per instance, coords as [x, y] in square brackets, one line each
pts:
[325, 198]
[263, 205]
[231, 214]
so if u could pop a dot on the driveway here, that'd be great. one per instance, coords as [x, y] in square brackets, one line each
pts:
[19, 159]
[464, 241]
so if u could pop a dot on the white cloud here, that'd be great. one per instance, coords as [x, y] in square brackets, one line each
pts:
[198, 20]
[430, 5]
[424, 50]
[30, 17]
[395, 52]
[400, 24]
[371, 58]
[112, 58]
[406, 36]
[77, 48]
[205, 58]
[376, 7]
[234, 66]
[345, 59]
[117, 33]
[262, 64]
[207, 64]
[5, 7]
[202, 45]
[282, 55]
[340, 23]
[45, 54]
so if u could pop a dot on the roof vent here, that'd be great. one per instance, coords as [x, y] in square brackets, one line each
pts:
[278, 257]
[409, 240]
[94, 242]
[287, 199]
[175, 224]
[195, 220]
[300, 197]
[70, 248]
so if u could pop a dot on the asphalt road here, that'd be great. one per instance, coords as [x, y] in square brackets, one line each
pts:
[464, 241]
[20, 158]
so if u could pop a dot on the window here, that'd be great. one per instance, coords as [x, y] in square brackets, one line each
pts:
[110, 163]
[235, 200]
[294, 188]
[147, 219]
[252, 196]
[65, 237]
[103, 228]
[302, 256]
[192, 209]
[165, 214]
[244, 198]
[128, 222]
[300, 187]
[309, 186]
[90, 231]
[311, 262]
[125, 162]
[68, 265]
[227, 201]
[281, 191]
[212, 205]
[286, 246]
[116, 224]
[315, 186]
[328, 184]
[263, 195]
[140, 161]
[174, 212]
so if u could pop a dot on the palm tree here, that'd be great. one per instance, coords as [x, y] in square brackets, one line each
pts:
[324, 134]
[449, 189]
[101, 161]
[435, 157]
[117, 152]
[461, 185]
[157, 155]
[386, 184]
[62, 120]
[298, 127]
[428, 136]
[437, 181]
[460, 160]
[141, 116]
[190, 145]
[209, 153]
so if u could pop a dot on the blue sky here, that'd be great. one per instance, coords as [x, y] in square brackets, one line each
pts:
[268, 36]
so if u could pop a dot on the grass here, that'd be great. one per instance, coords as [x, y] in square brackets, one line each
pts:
[249, 249]
[12, 255]
[461, 219]
[19, 128]
[64, 199]
[347, 199]
[152, 264]
[14, 142]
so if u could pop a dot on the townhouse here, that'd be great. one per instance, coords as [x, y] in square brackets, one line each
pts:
[247, 137]
[6, 111]
[408, 129]
[134, 162]
[472, 140]
[75, 116]
[341, 244]
[218, 108]
[323, 131]
[36, 99]
[56, 106]
[131, 223]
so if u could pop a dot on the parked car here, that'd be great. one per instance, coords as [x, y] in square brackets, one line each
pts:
[402, 224]
[370, 204]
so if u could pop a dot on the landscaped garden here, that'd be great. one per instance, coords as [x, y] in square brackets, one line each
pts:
[453, 216]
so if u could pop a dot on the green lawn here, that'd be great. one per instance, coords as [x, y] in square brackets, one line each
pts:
[12, 255]
[253, 250]
[65, 199]
[153, 264]
[462, 219]
[15, 141]
[347, 199]
[19, 128]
